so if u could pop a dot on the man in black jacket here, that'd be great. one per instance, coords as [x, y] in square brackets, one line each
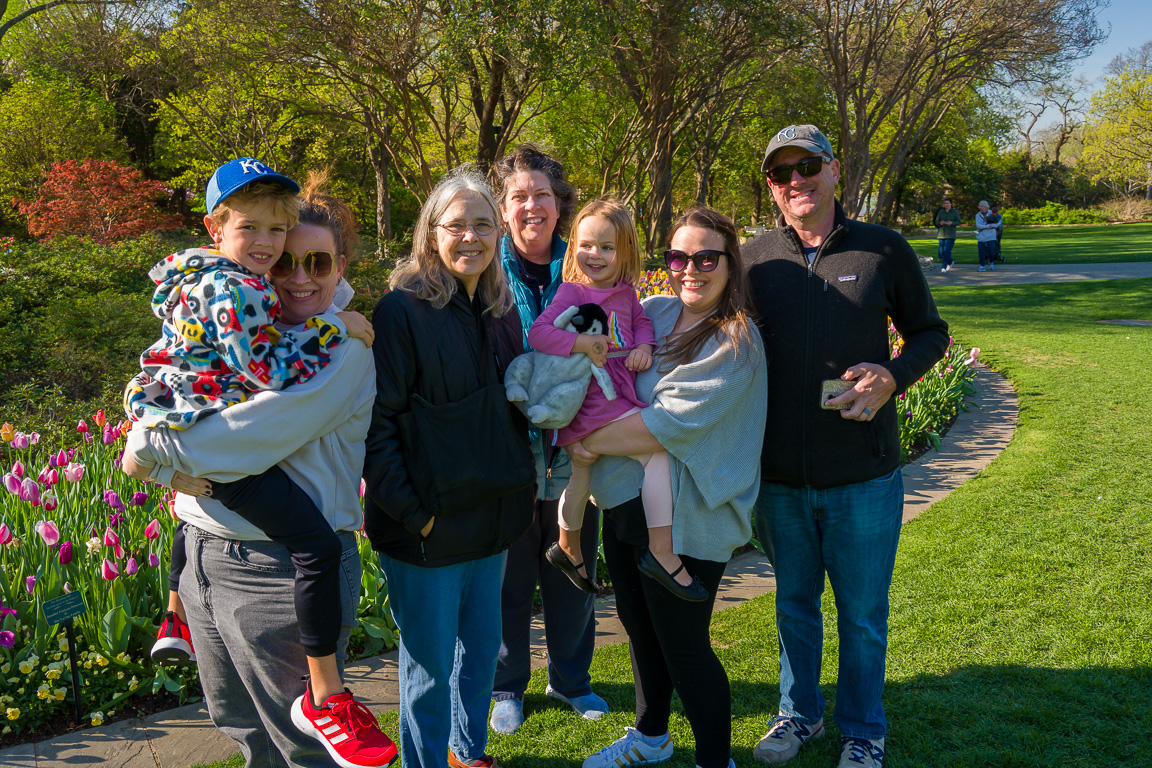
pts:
[831, 498]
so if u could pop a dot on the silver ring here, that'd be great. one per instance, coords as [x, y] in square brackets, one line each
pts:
[867, 412]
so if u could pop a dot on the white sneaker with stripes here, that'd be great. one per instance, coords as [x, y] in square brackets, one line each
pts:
[629, 750]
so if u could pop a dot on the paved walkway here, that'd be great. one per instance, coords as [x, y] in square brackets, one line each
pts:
[184, 737]
[1023, 274]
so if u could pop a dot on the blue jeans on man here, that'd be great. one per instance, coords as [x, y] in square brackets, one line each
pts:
[849, 532]
[944, 251]
[449, 622]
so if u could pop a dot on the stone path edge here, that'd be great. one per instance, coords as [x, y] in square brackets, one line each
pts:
[183, 737]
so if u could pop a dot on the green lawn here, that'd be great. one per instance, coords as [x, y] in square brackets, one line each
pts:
[1021, 631]
[1058, 245]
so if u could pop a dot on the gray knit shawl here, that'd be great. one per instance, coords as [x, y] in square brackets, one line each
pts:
[709, 415]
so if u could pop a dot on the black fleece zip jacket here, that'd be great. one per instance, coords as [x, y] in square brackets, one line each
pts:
[817, 321]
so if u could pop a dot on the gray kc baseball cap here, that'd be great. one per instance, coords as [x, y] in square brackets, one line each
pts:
[805, 136]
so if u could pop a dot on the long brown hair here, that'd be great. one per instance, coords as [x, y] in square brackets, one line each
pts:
[330, 212]
[734, 315]
[627, 242]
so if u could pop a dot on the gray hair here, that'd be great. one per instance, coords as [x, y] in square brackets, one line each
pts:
[424, 273]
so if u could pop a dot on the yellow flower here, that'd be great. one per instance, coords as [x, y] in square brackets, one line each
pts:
[42, 692]
[52, 674]
[133, 684]
[58, 656]
[101, 660]
[13, 713]
[7, 434]
[5, 668]
[120, 675]
[25, 667]
[6, 700]
[60, 693]
[87, 665]
[97, 718]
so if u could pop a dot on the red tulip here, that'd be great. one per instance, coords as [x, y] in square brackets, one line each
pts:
[109, 570]
[82, 426]
[152, 530]
[100, 418]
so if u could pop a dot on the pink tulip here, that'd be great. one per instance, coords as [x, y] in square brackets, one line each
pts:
[109, 570]
[48, 531]
[153, 560]
[21, 441]
[66, 553]
[112, 540]
[131, 567]
[12, 483]
[34, 438]
[61, 459]
[30, 491]
[5, 534]
[152, 530]
[82, 426]
[30, 584]
[49, 501]
[73, 472]
[18, 469]
[362, 487]
[52, 477]
[138, 499]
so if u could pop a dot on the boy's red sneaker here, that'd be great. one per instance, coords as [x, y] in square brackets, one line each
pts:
[173, 642]
[346, 729]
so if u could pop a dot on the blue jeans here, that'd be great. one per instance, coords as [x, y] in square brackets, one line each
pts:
[944, 251]
[449, 621]
[850, 533]
[987, 251]
[240, 600]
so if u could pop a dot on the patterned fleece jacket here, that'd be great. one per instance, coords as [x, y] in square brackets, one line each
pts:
[218, 345]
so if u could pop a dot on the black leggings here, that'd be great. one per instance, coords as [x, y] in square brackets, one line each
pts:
[289, 517]
[669, 641]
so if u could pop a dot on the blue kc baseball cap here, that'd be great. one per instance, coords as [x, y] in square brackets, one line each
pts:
[236, 174]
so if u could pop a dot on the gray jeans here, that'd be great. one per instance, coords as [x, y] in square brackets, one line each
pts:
[239, 596]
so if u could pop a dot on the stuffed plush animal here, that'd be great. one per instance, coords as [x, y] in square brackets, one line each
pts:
[550, 389]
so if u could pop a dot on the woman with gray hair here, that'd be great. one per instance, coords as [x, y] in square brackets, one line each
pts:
[448, 472]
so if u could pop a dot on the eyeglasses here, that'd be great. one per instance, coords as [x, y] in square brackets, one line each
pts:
[808, 167]
[705, 261]
[316, 264]
[458, 228]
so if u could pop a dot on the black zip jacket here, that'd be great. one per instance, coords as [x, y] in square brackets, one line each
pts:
[435, 353]
[817, 321]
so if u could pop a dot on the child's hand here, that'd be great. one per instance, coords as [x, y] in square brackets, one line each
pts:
[639, 359]
[358, 326]
[596, 347]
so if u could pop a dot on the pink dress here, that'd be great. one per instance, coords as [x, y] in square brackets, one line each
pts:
[628, 327]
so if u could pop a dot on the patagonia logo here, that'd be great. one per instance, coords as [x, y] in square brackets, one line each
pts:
[846, 278]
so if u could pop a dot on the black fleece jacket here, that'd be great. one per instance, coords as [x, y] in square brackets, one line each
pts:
[817, 321]
[436, 354]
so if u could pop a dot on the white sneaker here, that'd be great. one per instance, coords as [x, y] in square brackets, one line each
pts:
[629, 750]
[784, 738]
[948, 268]
[981, 269]
[861, 753]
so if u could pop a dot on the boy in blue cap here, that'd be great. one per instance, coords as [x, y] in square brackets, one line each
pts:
[218, 347]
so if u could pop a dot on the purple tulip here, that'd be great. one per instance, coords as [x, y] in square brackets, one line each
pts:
[131, 567]
[71, 454]
[7, 639]
[153, 560]
[152, 530]
[138, 499]
[108, 436]
[87, 437]
[30, 491]
[12, 483]
[109, 570]
[18, 469]
[6, 611]
[48, 531]
[66, 553]
[30, 584]
[5, 535]
[115, 519]
[113, 500]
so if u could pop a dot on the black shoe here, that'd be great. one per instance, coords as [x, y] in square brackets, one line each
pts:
[559, 558]
[650, 567]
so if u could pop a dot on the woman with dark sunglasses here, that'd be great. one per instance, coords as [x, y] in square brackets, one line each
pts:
[268, 599]
[708, 402]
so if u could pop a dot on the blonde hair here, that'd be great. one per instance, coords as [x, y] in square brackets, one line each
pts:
[425, 275]
[627, 241]
[284, 201]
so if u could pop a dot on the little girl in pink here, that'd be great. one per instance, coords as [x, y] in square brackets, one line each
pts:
[602, 266]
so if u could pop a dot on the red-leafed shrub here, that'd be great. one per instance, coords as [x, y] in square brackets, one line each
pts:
[97, 198]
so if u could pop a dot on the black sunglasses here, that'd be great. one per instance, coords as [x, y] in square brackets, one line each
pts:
[316, 264]
[808, 167]
[705, 261]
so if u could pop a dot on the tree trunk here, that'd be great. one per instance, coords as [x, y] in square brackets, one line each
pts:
[703, 181]
[757, 199]
[660, 198]
[378, 157]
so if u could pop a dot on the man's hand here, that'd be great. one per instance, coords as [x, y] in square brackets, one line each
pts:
[874, 387]
[580, 455]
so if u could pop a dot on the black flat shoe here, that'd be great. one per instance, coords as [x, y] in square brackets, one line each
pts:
[650, 567]
[559, 558]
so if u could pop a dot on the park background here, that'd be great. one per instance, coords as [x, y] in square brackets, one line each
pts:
[114, 114]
